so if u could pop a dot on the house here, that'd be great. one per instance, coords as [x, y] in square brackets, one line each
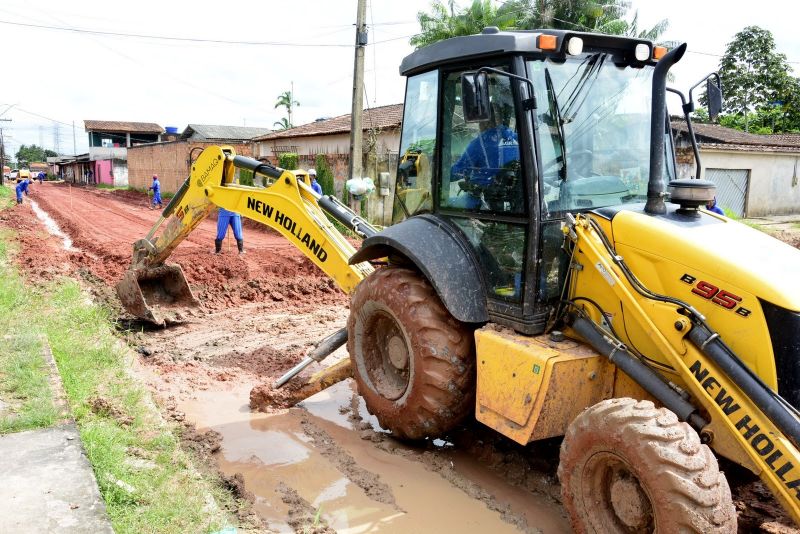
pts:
[331, 137]
[172, 160]
[73, 169]
[756, 175]
[222, 134]
[109, 142]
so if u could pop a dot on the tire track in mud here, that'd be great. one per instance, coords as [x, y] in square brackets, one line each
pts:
[303, 517]
[373, 486]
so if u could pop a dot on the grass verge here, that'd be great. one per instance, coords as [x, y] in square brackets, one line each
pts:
[24, 385]
[148, 481]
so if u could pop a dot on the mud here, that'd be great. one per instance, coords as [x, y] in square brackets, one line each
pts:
[326, 464]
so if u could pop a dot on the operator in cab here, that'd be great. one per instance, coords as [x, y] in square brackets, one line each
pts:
[495, 148]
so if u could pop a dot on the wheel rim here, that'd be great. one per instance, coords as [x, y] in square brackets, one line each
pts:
[387, 357]
[616, 494]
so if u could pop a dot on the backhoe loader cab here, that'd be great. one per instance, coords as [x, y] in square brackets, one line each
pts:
[566, 128]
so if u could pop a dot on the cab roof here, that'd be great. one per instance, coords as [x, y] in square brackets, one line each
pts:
[493, 42]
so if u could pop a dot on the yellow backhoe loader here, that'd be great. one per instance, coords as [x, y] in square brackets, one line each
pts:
[552, 275]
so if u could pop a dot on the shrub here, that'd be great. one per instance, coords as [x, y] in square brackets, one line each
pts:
[324, 175]
[245, 177]
[288, 160]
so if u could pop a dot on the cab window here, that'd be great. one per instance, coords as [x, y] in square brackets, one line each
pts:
[481, 168]
[417, 144]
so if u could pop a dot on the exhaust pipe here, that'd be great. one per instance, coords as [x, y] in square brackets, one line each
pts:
[658, 121]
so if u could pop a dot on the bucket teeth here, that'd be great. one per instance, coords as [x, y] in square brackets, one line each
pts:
[159, 295]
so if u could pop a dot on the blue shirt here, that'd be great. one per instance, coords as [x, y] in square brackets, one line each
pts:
[486, 154]
[315, 186]
[156, 187]
[22, 187]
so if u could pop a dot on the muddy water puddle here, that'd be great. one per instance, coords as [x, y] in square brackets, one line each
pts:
[353, 484]
[51, 225]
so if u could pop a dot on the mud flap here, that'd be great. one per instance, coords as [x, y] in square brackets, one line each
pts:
[160, 295]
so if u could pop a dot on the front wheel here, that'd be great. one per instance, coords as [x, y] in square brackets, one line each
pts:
[414, 363]
[627, 466]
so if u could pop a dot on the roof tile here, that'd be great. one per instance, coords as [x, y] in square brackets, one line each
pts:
[379, 118]
[122, 126]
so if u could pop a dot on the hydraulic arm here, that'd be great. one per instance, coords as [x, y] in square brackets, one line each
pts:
[160, 294]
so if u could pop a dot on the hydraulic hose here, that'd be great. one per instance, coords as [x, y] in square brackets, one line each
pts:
[759, 393]
[643, 375]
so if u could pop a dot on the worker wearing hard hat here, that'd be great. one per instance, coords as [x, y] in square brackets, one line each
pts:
[314, 183]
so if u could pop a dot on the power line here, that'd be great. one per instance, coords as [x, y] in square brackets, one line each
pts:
[169, 38]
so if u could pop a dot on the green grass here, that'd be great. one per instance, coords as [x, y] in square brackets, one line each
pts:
[110, 187]
[145, 191]
[148, 481]
[24, 385]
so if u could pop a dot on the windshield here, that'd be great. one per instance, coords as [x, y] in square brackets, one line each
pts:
[594, 132]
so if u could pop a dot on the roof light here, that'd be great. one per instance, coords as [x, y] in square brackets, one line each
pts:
[548, 42]
[642, 52]
[659, 51]
[575, 46]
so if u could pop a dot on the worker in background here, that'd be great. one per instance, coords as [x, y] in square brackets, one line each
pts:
[156, 187]
[227, 218]
[22, 187]
[314, 183]
[41, 176]
[712, 206]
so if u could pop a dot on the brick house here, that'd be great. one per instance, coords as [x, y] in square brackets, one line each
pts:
[756, 175]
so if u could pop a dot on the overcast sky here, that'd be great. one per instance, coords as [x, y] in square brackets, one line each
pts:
[54, 77]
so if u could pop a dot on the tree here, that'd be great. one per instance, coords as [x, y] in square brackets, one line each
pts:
[282, 124]
[602, 16]
[31, 153]
[286, 100]
[757, 84]
[443, 22]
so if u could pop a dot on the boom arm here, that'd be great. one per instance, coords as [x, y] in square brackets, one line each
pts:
[288, 206]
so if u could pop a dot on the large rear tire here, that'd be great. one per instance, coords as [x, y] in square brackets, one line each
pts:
[413, 362]
[627, 466]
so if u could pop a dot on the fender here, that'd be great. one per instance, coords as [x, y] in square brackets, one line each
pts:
[442, 255]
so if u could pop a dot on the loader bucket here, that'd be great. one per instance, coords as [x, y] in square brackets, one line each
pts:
[159, 295]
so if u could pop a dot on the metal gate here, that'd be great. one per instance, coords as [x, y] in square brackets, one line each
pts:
[731, 188]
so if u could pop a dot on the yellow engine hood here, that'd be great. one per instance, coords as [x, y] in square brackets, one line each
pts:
[735, 254]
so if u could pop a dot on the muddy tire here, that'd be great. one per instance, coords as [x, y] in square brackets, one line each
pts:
[627, 466]
[413, 362]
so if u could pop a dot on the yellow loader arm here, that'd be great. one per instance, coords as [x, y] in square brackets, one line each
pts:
[160, 294]
[730, 407]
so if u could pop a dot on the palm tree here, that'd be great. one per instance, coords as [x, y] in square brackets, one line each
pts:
[444, 22]
[286, 99]
[602, 16]
[283, 124]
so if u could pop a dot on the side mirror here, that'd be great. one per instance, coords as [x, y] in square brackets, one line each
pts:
[475, 96]
[714, 97]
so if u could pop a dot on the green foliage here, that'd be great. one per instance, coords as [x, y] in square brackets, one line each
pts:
[31, 153]
[324, 174]
[286, 100]
[282, 124]
[759, 92]
[288, 160]
[602, 16]
[245, 177]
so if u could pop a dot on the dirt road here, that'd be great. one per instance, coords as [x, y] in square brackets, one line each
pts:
[327, 458]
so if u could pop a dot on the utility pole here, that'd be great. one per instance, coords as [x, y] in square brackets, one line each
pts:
[74, 146]
[3, 154]
[356, 132]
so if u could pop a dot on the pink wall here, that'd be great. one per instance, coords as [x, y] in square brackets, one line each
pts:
[103, 172]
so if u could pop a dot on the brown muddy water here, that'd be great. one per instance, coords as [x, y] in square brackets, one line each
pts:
[332, 453]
